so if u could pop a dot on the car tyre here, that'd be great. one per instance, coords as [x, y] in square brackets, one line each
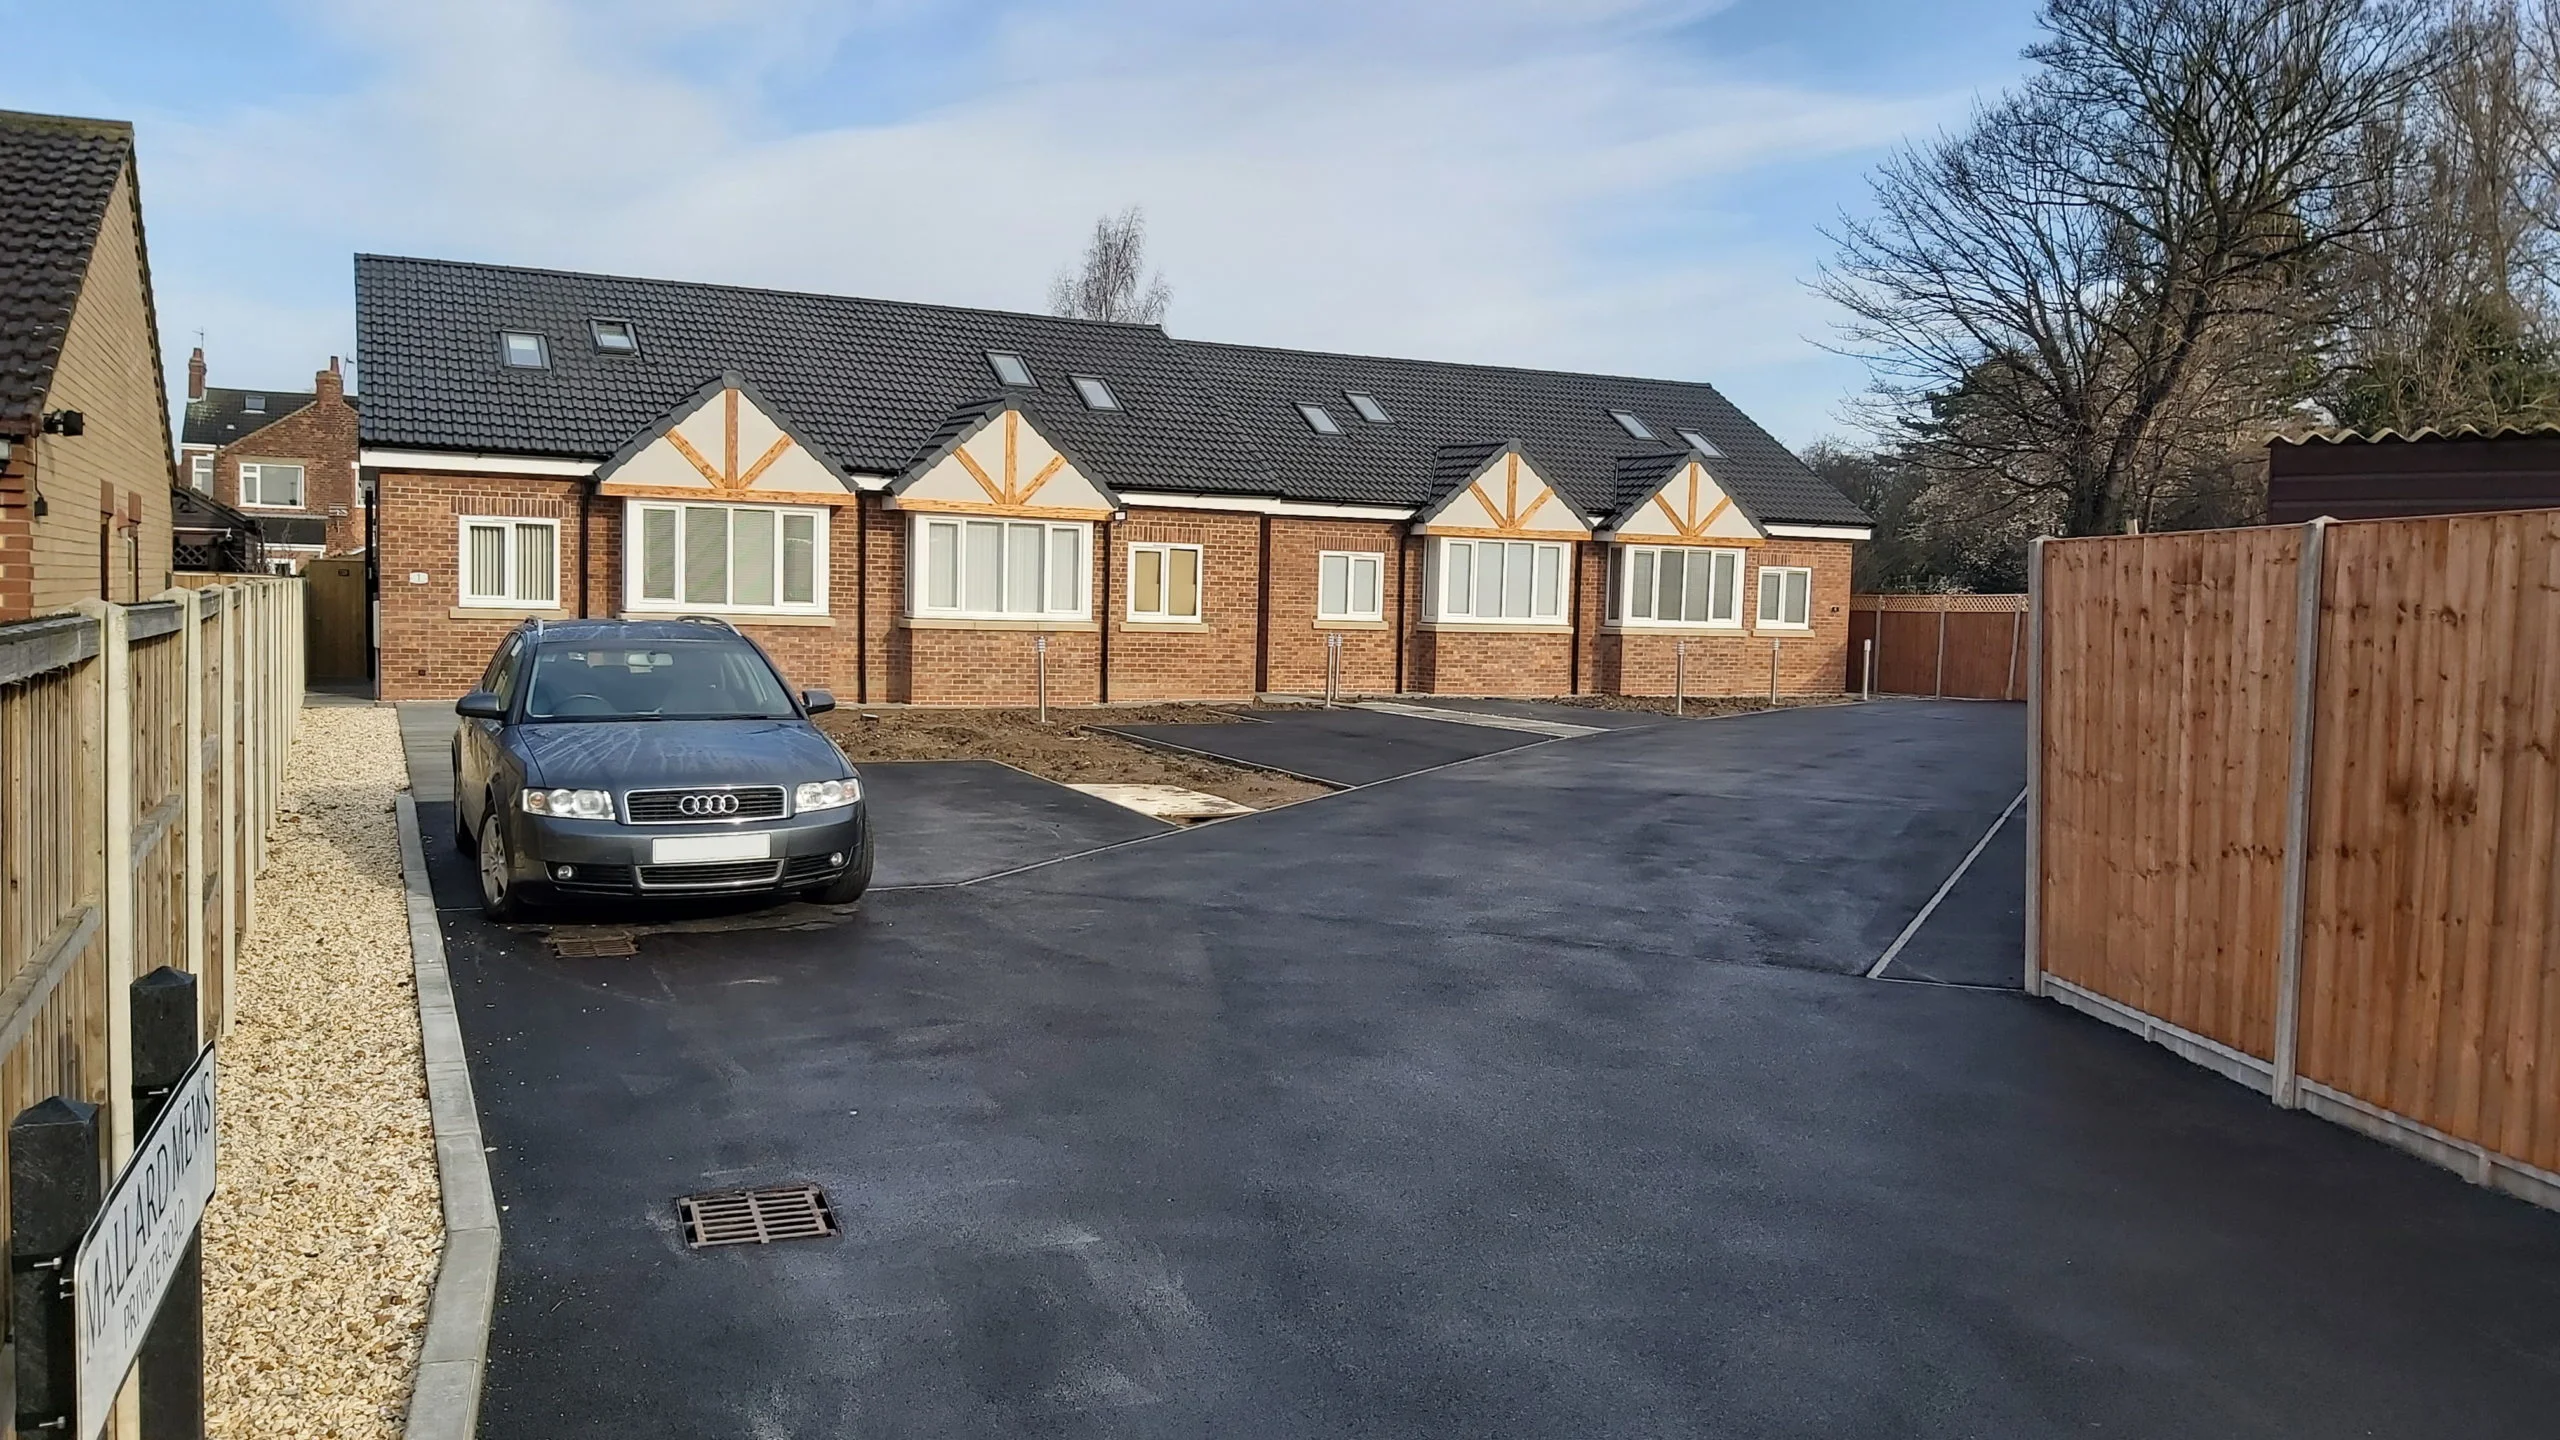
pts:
[849, 886]
[500, 897]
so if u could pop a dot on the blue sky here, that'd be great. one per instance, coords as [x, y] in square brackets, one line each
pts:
[1623, 185]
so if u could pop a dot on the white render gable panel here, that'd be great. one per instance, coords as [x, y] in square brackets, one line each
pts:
[1005, 466]
[1507, 497]
[1689, 509]
[728, 446]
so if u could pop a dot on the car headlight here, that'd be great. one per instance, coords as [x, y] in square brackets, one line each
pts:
[570, 804]
[826, 795]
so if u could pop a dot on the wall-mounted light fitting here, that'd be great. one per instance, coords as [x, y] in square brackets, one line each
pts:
[65, 422]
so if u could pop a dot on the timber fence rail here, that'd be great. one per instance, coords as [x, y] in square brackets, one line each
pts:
[1964, 647]
[142, 753]
[2294, 811]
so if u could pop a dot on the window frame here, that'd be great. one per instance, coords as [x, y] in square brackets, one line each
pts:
[253, 404]
[1441, 571]
[200, 471]
[1366, 406]
[301, 486]
[634, 563]
[1351, 559]
[1699, 442]
[595, 332]
[463, 596]
[1199, 583]
[1318, 418]
[1634, 425]
[1623, 571]
[1760, 597]
[995, 365]
[920, 579]
[1098, 386]
[541, 349]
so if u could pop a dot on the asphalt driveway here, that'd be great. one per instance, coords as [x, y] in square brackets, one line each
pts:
[1334, 747]
[1537, 1096]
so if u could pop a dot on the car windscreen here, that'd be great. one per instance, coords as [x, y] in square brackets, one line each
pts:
[707, 679]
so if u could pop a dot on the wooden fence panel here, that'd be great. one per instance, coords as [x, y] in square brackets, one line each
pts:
[2431, 940]
[1967, 647]
[159, 817]
[2168, 682]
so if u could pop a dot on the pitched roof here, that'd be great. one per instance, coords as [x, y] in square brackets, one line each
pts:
[881, 382]
[871, 379]
[57, 178]
[223, 414]
[1560, 418]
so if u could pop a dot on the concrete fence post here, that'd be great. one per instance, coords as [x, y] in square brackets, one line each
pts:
[1938, 688]
[2284, 1087]
[2035, 766]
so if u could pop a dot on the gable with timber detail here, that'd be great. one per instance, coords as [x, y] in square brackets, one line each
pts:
[1689, 508]
[1003, 465]
[726, 443]
[1508, 499]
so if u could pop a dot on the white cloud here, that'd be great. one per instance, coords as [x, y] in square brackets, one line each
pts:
[1517, 182]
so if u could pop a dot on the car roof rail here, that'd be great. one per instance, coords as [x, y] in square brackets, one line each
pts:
[707, 620]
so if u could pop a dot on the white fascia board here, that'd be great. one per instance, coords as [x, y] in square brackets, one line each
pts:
[460, 463]
[1262, 505]
[1821, 532]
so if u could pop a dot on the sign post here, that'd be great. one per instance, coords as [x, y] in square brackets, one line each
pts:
[140, 1241]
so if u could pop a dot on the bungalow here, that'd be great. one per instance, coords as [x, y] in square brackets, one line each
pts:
[918, 503]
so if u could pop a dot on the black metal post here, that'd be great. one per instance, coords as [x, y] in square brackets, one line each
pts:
[55, 1189]
[171, 1362]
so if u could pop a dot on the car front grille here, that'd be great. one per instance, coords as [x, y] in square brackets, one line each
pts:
[717, 875]
[703, 805]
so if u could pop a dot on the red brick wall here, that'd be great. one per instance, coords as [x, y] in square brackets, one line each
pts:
[1214, 660]
[1640, 662]
[321, 435]
[1296, 645]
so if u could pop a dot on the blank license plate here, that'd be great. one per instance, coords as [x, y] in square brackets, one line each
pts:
[678, 849]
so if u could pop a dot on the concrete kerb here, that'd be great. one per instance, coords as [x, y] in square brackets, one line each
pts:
[445, 1404]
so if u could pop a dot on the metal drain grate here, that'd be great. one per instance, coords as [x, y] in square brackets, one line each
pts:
[588, 944]
[755, 1217]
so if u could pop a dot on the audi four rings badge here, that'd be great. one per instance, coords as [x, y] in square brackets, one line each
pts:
[707, 805]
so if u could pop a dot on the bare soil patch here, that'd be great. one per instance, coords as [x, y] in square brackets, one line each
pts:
[1067, 749]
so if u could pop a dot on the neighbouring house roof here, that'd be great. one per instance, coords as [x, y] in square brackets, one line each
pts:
[880, 383]
[223, 415]
[57, 178]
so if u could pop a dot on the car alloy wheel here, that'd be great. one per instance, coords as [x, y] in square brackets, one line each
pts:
[497, 875]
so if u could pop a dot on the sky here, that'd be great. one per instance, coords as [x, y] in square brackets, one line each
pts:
[1631, 186]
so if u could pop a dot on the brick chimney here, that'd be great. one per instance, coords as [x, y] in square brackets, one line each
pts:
[195, 374]
[330, 386]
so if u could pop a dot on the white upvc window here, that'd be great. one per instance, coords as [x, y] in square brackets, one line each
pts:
[200, 471]
[271, 484]
[1499, 580]
[1786, 597]
[998, 569]
[682, 557]
[1348, 585]
[1164, 582]
[1680, 585]
[510, 562]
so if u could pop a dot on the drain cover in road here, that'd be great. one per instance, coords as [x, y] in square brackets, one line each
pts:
[756, 1217]
[588, 942]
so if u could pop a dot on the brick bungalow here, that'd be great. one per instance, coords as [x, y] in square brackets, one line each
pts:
[917, 503]
[285, 458]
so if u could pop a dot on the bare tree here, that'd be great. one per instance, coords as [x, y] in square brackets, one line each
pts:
[2088, 294]
[1111, 282]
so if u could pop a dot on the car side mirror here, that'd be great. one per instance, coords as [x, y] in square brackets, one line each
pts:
[818, 702]
[480, 705]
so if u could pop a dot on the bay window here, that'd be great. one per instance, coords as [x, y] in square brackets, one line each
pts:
[1786, 597]
[999, 569]
[509, 562]
[1497, 580]
[1679, 585]
[1347, 585]
[1164, 582]
[725, 557]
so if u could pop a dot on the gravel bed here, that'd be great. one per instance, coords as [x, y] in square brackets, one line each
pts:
[322, 1241]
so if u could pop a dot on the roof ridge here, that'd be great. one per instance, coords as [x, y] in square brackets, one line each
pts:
[1539, 370]
[96, 125]
[1148, 327]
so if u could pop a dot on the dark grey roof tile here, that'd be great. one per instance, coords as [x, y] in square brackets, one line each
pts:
[57, 177]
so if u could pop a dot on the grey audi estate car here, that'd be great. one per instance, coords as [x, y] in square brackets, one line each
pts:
[650, 758]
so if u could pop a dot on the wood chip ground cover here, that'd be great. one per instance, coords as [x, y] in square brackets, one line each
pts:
[326, 1224]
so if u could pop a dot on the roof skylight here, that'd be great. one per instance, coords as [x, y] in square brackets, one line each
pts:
[254, 404]
[523, 350]
[1628, 422]
[1320, 420]
[1097, 396]
[1701, 444]
[1368, 406]
[1010, 370]
[615, 337]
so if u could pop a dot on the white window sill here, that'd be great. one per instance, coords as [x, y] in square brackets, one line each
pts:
[1657, 627]
[1330, 622]
[1502, 627]
[733, 616]
[504, 610]
[1772, 628]
[1157, 622]
[966, 622]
